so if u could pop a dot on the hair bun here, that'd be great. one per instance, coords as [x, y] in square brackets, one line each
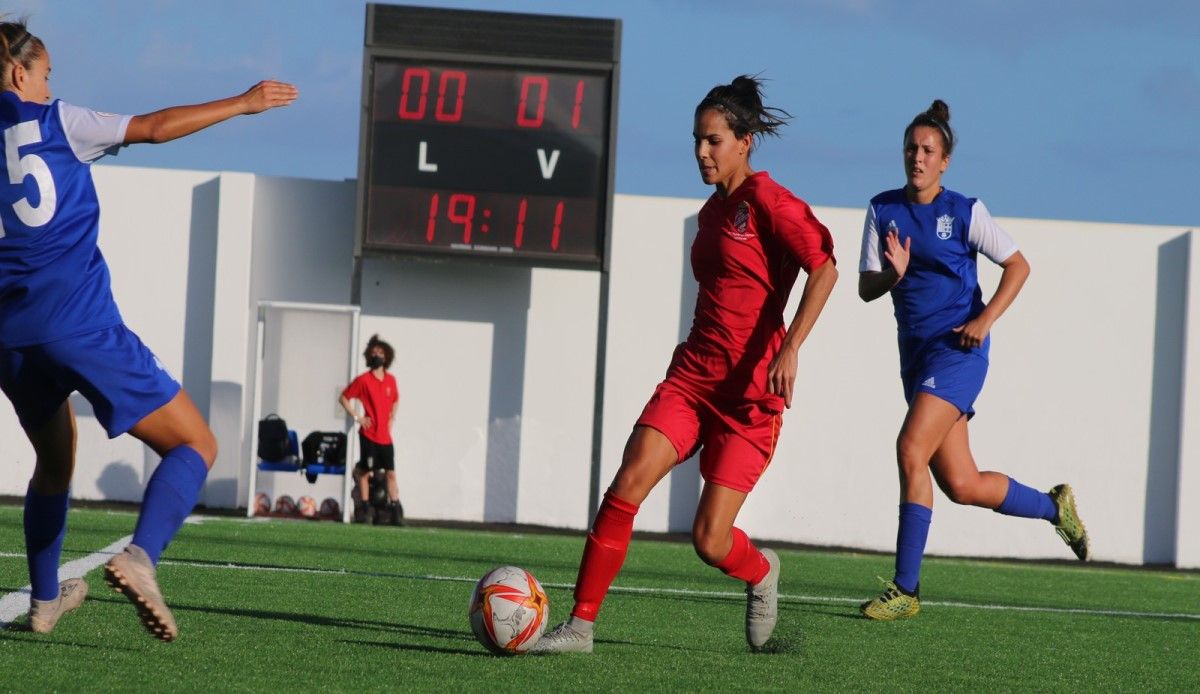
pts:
[747, 92]
[742, 103]
[939, 110]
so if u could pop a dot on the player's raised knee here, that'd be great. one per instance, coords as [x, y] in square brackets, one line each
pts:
[205, 443]
[710, 546]
[962, 490]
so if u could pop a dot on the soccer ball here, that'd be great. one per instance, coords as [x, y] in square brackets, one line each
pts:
[262, 504]
[509, 610]
[330, 508]
[306, 506]
[284, 506]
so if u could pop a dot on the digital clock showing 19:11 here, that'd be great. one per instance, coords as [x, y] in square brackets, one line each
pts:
[487, 160]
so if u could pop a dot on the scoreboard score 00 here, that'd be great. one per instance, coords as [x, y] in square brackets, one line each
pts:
[487, 135]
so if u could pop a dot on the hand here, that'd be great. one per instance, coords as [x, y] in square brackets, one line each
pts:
[781, 375]
[268, 94]
[365, 422]
[896, 253]
[972, 334]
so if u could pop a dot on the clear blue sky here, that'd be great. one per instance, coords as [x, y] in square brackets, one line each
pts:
[1068, 109]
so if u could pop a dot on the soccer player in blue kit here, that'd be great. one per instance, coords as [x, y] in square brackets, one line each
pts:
[920, 243]
[61, 332]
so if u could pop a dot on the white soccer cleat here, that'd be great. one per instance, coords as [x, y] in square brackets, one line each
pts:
[762, 604]
[44, 614]
[132, 574]
[564, 639]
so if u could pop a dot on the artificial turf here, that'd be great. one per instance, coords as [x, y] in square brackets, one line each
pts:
[271, 605]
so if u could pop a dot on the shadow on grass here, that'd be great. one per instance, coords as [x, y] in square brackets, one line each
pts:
[21, 633]
[788, 639]
[313, 619]
[419, 649]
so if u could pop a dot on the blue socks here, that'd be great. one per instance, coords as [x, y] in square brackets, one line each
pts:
[1022, 501]
[910, 544]
[170, 496]
[45, 527]
[1027, 502]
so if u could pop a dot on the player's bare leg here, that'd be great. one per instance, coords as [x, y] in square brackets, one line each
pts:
[45, 520]
[648, 457]
[929, 422]
[720, 544]
[954, 470]
[179, 433]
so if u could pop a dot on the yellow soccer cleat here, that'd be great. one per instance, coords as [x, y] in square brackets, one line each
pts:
[1069, 526]
[893, 604]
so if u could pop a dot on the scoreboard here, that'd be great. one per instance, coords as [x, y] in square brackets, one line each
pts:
[487, 135]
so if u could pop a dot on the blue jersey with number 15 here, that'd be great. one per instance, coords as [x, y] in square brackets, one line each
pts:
[53, 281]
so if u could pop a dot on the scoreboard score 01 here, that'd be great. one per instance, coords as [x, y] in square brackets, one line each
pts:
[487, 135]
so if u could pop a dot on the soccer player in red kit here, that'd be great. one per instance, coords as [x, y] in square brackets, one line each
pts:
[376, 390]
[729, 382]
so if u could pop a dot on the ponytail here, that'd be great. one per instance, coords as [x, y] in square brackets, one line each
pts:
[741, 103]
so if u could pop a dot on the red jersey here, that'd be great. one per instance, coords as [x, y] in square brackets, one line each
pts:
[377, 397]
[749, 249]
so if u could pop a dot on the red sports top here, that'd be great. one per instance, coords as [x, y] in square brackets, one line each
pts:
[377, 396]
[749, 249]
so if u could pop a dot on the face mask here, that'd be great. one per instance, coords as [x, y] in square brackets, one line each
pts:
[374, 361]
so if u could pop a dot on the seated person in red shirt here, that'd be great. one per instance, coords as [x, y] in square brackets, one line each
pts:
[376, 390]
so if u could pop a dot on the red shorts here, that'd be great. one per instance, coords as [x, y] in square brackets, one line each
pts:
[736, 443]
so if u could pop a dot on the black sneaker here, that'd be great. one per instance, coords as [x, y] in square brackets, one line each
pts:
[396, 510]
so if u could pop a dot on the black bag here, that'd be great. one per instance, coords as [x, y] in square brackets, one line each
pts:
[273, 438]
[324, 448]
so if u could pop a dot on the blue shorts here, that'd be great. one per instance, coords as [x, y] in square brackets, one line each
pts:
[118, 375]
[954, 375]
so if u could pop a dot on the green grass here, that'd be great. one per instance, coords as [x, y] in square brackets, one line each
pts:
[372, 616]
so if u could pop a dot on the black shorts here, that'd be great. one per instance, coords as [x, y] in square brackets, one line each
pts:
[374, 456]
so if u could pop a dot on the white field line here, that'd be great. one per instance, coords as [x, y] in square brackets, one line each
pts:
[91, 563]
[16, 604]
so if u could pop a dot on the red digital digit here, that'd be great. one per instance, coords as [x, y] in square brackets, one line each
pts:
[521, 222]
[464, 217]
[440, 112]
[543, 85]
[578, 111]
[558, 215]
[406, 112]
[432, 223]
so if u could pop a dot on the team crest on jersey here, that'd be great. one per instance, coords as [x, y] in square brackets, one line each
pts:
[945, 226]
[741, 220]
[893, 227]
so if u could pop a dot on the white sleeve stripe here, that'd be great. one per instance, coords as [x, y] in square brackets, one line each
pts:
[92, 134]
[868, 260]
[986, 236]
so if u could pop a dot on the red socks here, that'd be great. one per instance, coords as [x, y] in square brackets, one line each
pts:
[603, 554]
[744, 561]
[608, 544]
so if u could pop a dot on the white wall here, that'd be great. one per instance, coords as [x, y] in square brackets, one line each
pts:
[1092, 380]
[496, 369]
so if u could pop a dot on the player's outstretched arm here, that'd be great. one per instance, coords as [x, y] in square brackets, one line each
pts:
[180, 121]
